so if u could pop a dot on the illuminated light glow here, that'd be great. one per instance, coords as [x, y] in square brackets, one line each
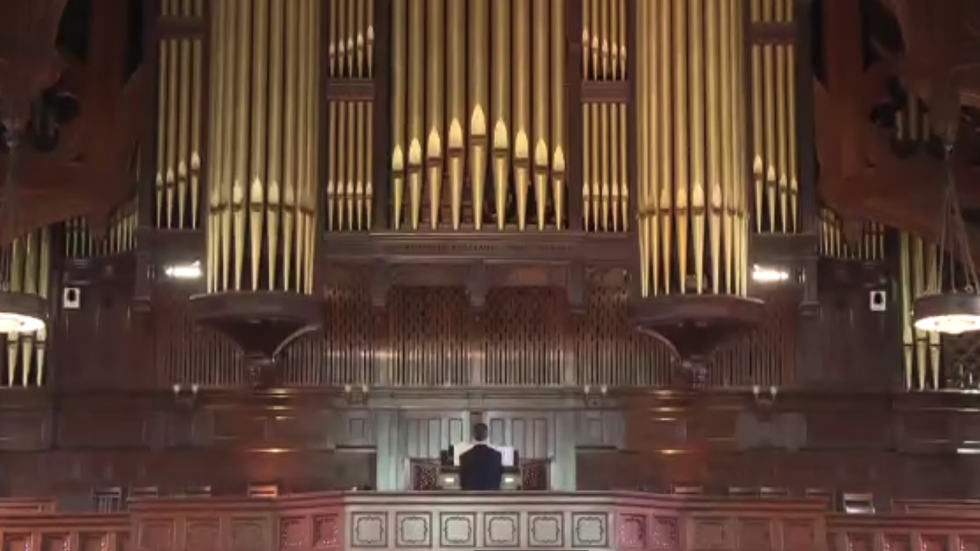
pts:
[768, 275]
[184, 271]
[951, 324]
[949, 313]
[19, 323]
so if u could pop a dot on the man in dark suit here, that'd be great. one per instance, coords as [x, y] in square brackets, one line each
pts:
[481, 467]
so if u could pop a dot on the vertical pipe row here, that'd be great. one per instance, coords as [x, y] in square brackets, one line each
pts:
[261, 230]
[605, 182]
[691, 179]
[921, 351]
[478, 100]
[870, 245]
[774, 170]
[120, 236]
[350, 191]
[350, 39]
[604, 40]
[180, 90]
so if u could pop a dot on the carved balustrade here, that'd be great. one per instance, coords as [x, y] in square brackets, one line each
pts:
[438, 521]
[527, 520]
[49, 531]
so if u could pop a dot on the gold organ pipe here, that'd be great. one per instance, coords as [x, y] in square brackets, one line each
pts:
[595, 150]
[728, 169]
[596, 45]
[586, 36]
[292, 226]
[614, 38]
[794, 186]
[197, 70]
[243, 30]
[664, 139]
[332, 36]
[604, 169]
[769, 117]
[919, 279]
[520, 18]
[643, 147]
[226, 183]
[360, 152]
[740, 167]
[369, 37]
[259, 133]
[501, 26]
[369, 163]
[342, 34]
[715, 96]
[478, 89]
[311, 94]
[163, 86]
[557, 51]
[696, 62]
[758, 128]
[624, 193]
[343, 169]
[435, 87]
[43, 288]
[622, 39]
[681, 122]
[184, 130]
[353, 171]
[274, 176]
[359, 40]
[782, 126]
[586, 166]
[541, 87]
[604, 32]
[416, 106]
[399, 48]
[309, 59]
[456, 63]
[173, 116]
[614, 195]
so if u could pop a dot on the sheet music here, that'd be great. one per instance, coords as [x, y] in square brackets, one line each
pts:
[506, 452]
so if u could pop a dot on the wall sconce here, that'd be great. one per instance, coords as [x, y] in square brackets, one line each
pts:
[765, 400]
[186, 396]
[356, 395]
[594, 397]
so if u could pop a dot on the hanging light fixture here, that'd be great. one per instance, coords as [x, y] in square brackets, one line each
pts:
[952, 304]
[23, 309]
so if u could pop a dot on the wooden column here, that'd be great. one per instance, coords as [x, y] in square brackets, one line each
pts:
[809, 359]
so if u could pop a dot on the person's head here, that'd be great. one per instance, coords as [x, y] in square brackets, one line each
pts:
[481, 432]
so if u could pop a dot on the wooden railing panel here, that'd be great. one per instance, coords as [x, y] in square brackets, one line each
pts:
[55, 532]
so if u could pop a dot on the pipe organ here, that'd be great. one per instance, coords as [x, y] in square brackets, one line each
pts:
[180, 93]
[119, 237]
[691, 142]
[605, 172]
[869, 245]
[774, 148]
[921, 350]
[264, 145]
[26, 265]
[478, 114]
[350, 138]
